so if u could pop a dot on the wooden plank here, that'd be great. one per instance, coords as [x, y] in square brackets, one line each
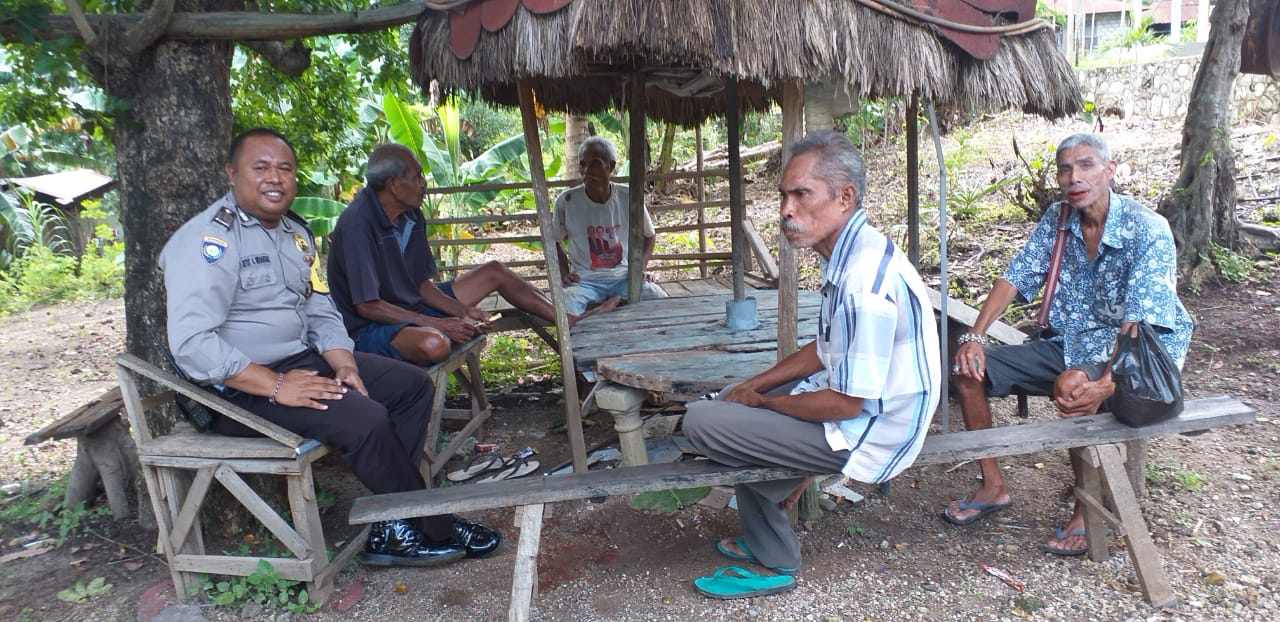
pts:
[963, 313]
[192, 444]
[219, 405]
[761, 250]
[191, 507]
[551, 488]
[524, 582]
[1201, 414]
[83, 420]
[1142, 551]
[275, 466]
[298, 570]
[1027, 438]
[685, 375]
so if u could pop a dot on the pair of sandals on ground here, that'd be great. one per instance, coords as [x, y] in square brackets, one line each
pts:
[493, 467]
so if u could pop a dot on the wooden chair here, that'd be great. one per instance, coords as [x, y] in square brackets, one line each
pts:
[464, 364]
[180, 467]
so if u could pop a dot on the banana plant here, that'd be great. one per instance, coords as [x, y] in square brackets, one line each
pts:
[442, 161]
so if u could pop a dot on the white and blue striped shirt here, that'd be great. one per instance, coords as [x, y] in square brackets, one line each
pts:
[878, 340]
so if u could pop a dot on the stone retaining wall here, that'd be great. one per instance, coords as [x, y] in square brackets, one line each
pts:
[1162, 88]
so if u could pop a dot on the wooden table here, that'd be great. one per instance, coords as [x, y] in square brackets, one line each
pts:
[680, 347]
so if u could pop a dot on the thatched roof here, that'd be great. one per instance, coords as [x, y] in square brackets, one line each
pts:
[579, 57]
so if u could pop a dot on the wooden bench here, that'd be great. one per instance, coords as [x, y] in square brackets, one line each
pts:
[464, 364]
[102, 442]
[1097, 441]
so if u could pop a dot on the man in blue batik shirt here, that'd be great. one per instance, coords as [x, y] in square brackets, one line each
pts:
[1119, 267]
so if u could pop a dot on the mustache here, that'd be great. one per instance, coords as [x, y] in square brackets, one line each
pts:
[1075, 187]
[791, 227]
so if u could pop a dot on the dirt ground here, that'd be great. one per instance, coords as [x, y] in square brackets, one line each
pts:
[1211, 498]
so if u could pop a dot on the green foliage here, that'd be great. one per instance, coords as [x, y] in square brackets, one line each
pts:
[80, 591]
[1176, 475]
[1136, 37]
[45, 270]
[45, 510]
[664, 501]
[322, 216]
[264, 587]
[1230, 265]
[511, 359]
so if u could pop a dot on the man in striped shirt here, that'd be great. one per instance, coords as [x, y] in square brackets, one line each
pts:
[856, 400]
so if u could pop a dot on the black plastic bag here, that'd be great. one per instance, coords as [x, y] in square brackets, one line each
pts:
[1148, 383]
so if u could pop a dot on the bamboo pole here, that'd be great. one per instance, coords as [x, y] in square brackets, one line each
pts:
[701, 197]
[533, 143]
[913, 180]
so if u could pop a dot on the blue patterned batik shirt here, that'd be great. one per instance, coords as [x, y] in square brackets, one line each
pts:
[1133, 277]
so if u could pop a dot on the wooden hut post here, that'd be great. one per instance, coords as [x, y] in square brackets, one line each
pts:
[537, 175]
[737, 210]
[700, 197]
[788, 281]
[635, 250]
[913, 180]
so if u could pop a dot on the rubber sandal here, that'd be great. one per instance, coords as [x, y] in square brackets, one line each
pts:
[479, 463]
[749, 557]
[983, 510]
[733, 582]
[518, 467]
[1062, 535]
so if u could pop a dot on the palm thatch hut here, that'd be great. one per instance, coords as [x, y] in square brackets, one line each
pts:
[684, 61]
[580, 57]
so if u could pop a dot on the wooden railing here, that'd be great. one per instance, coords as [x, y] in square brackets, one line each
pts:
[669, 260]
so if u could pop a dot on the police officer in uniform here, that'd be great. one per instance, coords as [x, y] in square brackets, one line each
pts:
[250, 315]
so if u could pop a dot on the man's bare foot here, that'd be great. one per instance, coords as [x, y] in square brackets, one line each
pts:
[604, 307]
[794, 497]
[976, 505]
[731, 545]
[1068, 540]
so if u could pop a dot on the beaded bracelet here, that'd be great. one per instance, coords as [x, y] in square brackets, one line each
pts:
[968, 337]
[276, 391]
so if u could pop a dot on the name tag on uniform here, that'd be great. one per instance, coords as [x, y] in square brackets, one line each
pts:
[254, 260]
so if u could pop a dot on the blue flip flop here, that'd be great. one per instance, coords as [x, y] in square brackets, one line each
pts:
[1062, 535]
[983, 510]
[733, 582]
[749, 557]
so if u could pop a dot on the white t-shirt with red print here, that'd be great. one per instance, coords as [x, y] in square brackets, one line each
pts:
[597, 232]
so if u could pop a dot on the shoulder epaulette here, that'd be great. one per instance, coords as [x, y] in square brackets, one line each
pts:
[291, 215]
[225, 216]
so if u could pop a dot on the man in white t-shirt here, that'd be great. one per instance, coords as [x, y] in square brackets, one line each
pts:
[594, 218]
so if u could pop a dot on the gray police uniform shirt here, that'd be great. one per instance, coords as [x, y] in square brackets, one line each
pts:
[239, 292]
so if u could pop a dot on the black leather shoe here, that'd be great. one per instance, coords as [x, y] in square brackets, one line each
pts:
[397, 543]
[478, 540]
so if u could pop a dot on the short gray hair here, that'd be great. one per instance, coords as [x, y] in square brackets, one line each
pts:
[386, 162]
[839, 162]
[1085, 139]
[602, 143]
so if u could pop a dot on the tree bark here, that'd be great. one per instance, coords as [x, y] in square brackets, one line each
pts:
[1201, 208]
[575, 133]
[169, 154]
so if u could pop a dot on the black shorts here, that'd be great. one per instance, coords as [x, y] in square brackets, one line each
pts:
[1030, 368]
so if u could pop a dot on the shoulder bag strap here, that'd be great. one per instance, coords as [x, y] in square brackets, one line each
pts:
[1055, 265]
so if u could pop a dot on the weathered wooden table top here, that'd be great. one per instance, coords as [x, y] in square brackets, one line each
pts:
[682, 346]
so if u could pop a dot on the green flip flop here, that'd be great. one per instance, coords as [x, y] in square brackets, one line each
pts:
[733, 582]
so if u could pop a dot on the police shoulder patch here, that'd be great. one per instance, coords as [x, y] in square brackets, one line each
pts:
[212, 248]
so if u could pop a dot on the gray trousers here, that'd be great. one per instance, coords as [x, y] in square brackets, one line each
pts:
[738, 435]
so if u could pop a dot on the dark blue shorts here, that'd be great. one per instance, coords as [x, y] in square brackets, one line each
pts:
[375, 337]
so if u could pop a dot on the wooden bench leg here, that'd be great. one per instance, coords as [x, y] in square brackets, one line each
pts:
[1107, 464]
[524, 582]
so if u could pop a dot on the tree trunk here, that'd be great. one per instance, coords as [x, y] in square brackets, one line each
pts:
[1201, 208]
[169, 154]
[575, 132]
